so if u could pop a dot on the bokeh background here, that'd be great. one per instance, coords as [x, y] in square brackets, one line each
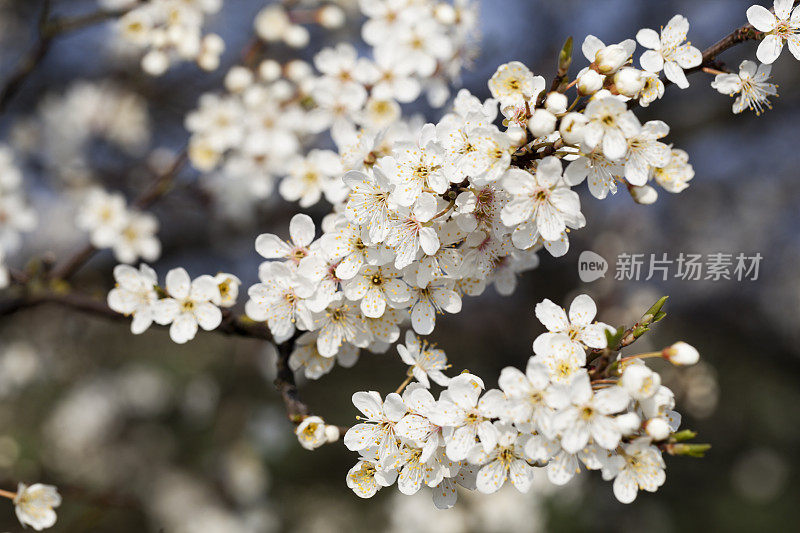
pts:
[141, 434]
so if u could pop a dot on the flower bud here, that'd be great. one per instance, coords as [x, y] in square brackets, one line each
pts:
[682, 354]
[628, 423]
[657, 428]
[590, 82]
[155, 62]
[572, 128]
[542, 123]
[269, 70]
[445, 13]
[610, 59]
[640, 381]
[644, 195]
[516, 135]
[272, 23]
[296, 37]
[331, 433]
[629, 82]
[238, 79]
[331, 17]
[556, 103]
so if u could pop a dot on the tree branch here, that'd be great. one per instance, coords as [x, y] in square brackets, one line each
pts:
[47, 31]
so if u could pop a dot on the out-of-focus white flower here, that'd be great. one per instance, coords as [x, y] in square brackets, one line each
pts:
[513, 85]
[311, 432]
[35, 505]
[134, 295]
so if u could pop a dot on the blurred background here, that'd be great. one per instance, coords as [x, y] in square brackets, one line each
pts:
[141, 434]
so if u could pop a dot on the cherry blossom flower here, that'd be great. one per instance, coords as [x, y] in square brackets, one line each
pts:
[376, 287]
[34, 505]
[751, 86]
[513, 84]
[589, 415]
[578, 327]
[188, 306]
[781, 26]
[610, 125]
[541, 204]
[669, 52]
[639, 467]
[311, 432]
[301, 231]
[426, 361]
[506, 460]
[134, 295]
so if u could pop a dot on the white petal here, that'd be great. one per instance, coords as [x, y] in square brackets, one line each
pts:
[301, 230]
[582, 310]
[178, 283]
[770, 49]
[208, 315]
[761, 18]
[552, 316]
[491, 477]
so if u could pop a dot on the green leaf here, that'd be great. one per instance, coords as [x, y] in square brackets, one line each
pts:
[686, 434]
[651, 313]
[689, 450]
[615, 337]
[565, 56]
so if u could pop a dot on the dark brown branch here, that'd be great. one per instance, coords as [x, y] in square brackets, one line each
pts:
[296, 410]
[47, 30]
[31, 60]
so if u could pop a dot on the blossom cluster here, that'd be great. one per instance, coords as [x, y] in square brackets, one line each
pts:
[184, 303]
[557, 415]
[65, 125]
[260, 130]
[171, 31]
[16, 216]
[448, 208]
[130, 233]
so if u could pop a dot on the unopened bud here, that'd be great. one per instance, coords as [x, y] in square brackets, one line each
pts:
[556, 103]
[331, 433]
[682, 354]
[238, 79]
[628, 423]
[445, 13]
[572, 126]
[269, 70]
[629, 82]
[610, 59]
[296, 36]
[542, 123]
[331, 17]
[590, 82]
[657, 428]
[644, 195]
